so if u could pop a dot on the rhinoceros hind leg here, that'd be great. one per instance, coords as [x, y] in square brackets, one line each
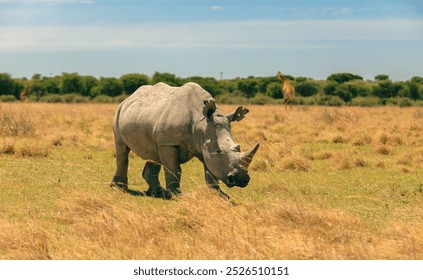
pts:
[120, 179]
[119, 183]
[151, 175]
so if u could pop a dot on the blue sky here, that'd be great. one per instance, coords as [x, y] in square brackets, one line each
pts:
[206, 37]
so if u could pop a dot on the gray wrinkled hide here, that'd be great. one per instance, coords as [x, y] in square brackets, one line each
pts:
[168, 126]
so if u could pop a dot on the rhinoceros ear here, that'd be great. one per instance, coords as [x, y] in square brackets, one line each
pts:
[238, 115]
[209, 108]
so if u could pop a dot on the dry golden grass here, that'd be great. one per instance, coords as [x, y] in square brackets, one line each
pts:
[327, 183]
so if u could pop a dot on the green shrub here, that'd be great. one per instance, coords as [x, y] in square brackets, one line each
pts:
[335, 101]
[8, 98]
[300, 100]
[81, 99]
[103, 99]
[274, 90]
[399, 101]
[70, 97]
[318, 99]
[366, 101]
[120, 98]
[230, 99]
[260, 99]
[52, 98]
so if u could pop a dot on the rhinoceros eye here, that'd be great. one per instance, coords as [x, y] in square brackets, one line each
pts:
[218, 152]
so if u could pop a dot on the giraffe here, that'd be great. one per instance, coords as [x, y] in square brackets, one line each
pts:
[23, 96]
[288, 91]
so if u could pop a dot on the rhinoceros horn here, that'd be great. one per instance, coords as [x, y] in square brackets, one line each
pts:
[248, 157]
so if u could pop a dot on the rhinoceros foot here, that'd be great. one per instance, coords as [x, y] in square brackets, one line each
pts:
[119, 186]
[159, 193]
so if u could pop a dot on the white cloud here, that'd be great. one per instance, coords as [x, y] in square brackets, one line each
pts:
[343, 11]
[259, 35]
[216, 8]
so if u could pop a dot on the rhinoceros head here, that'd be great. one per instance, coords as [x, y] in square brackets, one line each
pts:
[222, 156]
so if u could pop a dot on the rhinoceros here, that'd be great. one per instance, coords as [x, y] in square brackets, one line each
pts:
[168, 126]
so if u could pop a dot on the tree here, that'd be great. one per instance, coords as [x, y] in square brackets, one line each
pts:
[36, 89]
[413, 91]
[289, 77]
[417, 80]
[211, 85]
[8, 86]
[306, 88]
[131, 82]
[330, 88]
[386, 89]
[263, 83]
[248, 87]
[107, 86]
[342, 92]
[72, 83]
[381, 77]
[301, 79]
[36, 77]
[88, 83]
[274, 90]
[358, 88]
[343, 77]
[52, 84]
[167, 78]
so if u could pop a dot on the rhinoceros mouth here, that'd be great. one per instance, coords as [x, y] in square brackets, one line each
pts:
[231, 182]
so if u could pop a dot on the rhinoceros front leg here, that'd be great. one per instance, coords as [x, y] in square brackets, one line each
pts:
[169, 157]
[213, 183]
[151, 175]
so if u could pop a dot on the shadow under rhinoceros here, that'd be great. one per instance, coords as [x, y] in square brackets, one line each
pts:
[135, 193]
[165, 194]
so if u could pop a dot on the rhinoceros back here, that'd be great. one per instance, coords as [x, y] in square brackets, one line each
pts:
[159, 115]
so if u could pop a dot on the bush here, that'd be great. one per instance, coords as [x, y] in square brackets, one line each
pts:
[120, 98]
[8, 98]
[322, 99]
[103, 99]
[131, 82]
[52, 98]
[228, 98]
[66, 98]
[335, 101]
[366, 101]
[260, 99]
[399, 101]
[299, 100]
[70, 97]
[274, 90]
[343, 77]
[307, 89]
[310, 100]
[81, 99]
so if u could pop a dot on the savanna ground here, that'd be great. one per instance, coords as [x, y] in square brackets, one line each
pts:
[327, 183]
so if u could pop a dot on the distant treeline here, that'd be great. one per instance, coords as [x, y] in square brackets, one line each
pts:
[337, 90]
